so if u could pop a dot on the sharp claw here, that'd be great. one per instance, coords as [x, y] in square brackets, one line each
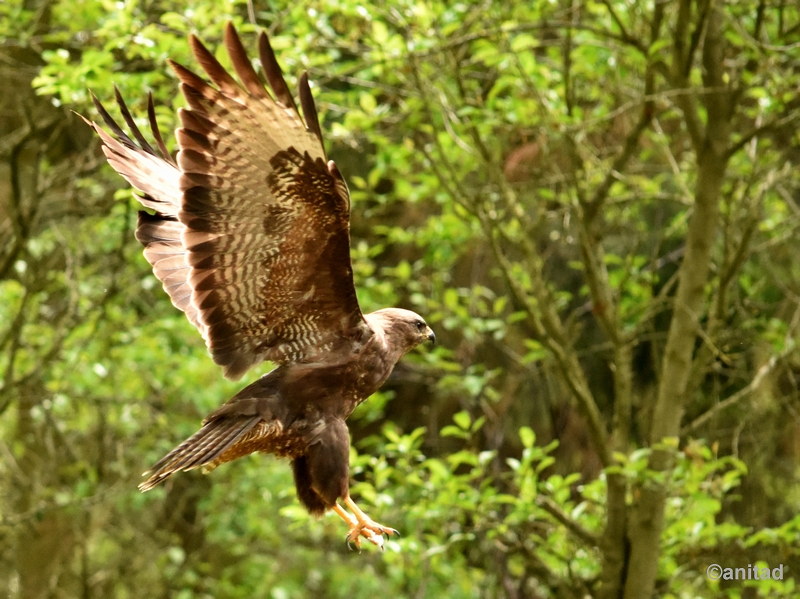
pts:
[354, 538]
[362, 526]
[350, 542]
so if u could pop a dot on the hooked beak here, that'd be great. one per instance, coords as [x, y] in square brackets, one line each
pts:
[431, 336]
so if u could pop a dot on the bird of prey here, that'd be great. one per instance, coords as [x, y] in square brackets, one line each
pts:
[249, 234]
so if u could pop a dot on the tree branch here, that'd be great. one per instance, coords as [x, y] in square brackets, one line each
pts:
[679, 76]
[552, 508]
[758, 131]
[754, 384]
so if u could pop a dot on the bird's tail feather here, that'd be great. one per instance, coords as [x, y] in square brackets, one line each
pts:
[201, 449]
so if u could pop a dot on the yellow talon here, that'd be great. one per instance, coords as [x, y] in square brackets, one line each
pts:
[362, 526]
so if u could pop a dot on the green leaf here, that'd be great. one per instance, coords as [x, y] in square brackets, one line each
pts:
[462, 419]
[527, 437]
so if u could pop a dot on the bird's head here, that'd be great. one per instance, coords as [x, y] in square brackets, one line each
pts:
[403, 329]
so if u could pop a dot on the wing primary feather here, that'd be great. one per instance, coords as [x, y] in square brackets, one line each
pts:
[193, 140]
[309, 108]
[197, 123]
[242, 63]
[126, 114]
[214, 69]
[190, 79]
[197, 99]
[273, 73]
[151, 116]
[112, 124]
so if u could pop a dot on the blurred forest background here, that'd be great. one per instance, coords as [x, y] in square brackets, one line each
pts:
[594, 204]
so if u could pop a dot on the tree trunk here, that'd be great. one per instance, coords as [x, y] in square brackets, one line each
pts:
[711, 147]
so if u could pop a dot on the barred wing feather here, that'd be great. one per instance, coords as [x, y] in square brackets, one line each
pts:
[251, 232]
[156, 175]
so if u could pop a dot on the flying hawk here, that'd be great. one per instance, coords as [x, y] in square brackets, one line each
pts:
[250, 238]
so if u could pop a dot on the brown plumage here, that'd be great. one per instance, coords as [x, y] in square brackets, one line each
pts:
[250, 239]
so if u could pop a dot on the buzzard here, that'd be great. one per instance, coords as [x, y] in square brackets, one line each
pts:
[250, 237]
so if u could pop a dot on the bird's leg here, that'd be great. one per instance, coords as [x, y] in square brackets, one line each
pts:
[362, 525]
[342, 513]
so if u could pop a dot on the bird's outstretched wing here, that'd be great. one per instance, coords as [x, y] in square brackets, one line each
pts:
[251, 232]
[156, 175]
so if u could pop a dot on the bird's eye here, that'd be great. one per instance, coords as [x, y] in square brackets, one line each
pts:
[420, 325]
